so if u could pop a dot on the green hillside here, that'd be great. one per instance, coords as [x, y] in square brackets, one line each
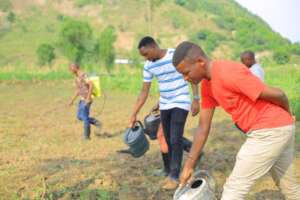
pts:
[222, 27]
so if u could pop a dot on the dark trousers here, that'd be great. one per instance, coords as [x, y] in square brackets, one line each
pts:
[83, 114]
[173, 122]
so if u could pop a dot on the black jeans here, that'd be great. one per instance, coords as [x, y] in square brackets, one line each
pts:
[173, 122]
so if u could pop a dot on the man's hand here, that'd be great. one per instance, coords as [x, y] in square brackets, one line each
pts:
[155, 108]
[132, 121]
[195, 107]
[185, 176]
[71, 103]
[88, 100]
[276, 96]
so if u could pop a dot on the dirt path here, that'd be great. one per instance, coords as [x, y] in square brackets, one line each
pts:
[42, 154]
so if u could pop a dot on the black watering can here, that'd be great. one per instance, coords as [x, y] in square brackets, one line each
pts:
[151, 122]
[136, 140]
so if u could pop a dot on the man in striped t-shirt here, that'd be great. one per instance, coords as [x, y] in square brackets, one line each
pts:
[174, 102]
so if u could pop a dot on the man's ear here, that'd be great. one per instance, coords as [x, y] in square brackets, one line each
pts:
[201, 61]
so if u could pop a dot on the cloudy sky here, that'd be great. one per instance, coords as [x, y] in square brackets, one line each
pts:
[282, 15]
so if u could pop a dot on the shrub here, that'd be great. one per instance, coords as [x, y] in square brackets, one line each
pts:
[45, 54]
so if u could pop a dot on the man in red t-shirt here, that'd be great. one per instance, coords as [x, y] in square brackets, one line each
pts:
[260, 111]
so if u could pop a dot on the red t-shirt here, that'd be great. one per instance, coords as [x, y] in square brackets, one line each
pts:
[236, 90]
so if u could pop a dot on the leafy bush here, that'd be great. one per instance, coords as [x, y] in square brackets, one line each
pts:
[296, 48]
[45, 54]
[208, 40]
[11, 17]
[107, 51]
[181, 2]
[177, 20]
[281, 57]
[227, 23]
[76, 41]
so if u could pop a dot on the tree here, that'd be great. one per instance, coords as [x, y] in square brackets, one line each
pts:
[45, 54]
[11, 17]
[75, 40]
[107, 51]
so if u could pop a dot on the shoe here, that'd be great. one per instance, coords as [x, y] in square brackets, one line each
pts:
[170, 184]
[86, 138]
[164, 181]
[98, 126]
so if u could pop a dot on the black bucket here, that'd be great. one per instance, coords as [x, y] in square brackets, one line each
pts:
[136, 140]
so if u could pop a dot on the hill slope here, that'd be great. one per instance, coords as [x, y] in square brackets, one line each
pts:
[224, 28]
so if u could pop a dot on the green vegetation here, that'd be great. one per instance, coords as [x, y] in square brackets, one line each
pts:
[95, 38]
[81, 3]
[287, 78]
[281, 57]
[76, 41]
[5, 5]
[107, 53]
[11, 17]
[208, 40]
[34, 75]
[45, 54]
[225, 24]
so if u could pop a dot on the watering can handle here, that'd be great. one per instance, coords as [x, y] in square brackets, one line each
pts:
[139, 123]
[180, 190]
[154, 112]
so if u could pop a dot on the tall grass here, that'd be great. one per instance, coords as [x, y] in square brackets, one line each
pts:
[287, 78]
[30, 76]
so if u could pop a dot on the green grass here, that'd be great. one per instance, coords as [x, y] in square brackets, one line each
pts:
[34, 76]
[298, 137]
[124, 80]
[287, 78]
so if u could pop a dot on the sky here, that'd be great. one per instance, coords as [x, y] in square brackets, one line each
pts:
[282, 15]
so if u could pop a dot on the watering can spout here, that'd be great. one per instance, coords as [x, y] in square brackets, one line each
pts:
[126, 151]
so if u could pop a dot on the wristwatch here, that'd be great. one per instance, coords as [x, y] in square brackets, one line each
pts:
[196, 97]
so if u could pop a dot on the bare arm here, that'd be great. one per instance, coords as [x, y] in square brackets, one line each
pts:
[140, 102]
[89, 96]
[74, 98]
[199, 141]
[195, 105]
[201, 136]
[276, 96]
[195, 89]
[75, 95]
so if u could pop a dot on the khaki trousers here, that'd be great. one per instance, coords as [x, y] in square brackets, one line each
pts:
[265, 150]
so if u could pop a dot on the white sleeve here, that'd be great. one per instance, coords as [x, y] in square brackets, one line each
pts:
[258, 71]
[148, 76]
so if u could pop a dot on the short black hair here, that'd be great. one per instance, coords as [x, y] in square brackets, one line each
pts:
[248, 53]
[183, 49]
[74, 64]
[146, 41]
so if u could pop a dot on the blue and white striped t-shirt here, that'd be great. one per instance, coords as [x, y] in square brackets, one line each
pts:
[174, 90]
